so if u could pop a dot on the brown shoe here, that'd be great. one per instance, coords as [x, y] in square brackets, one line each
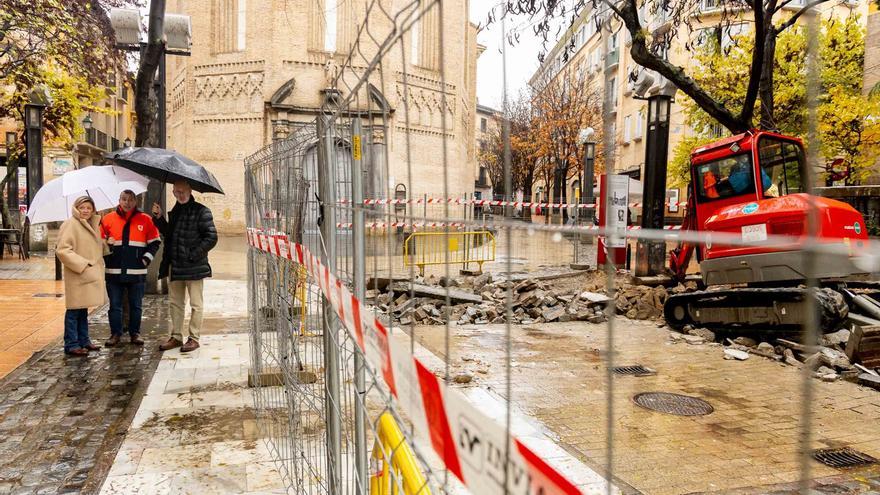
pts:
[171, 343]
[136, 339]
[190, 345]
[112, 341]
[92, 347]
[77, 353]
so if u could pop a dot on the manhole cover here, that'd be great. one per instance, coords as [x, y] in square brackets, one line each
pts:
[680, 405]
[842, 458]
[635, 370]
[48, 294]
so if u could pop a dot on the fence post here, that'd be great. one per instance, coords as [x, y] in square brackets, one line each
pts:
[359, 275]
[327, 194]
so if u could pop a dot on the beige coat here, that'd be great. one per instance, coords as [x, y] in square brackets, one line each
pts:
[81, 251]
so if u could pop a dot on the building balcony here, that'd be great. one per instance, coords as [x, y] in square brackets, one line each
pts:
[660, 22]
[100, 140]
[612, 60]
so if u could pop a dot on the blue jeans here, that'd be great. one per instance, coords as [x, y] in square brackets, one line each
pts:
[115, 291]
[76, 329]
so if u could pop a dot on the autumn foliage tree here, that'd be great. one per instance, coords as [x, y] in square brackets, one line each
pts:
[545, 125]
[520, 119]
[564, 104]
[848, 130]
[66, 46]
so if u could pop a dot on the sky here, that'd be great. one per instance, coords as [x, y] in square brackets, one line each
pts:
[522, 58]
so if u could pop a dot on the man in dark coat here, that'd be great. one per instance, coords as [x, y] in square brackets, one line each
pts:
[188, 234]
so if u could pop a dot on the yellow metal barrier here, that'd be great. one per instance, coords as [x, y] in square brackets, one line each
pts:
[390, 451]
[298, 292]
[438, 248]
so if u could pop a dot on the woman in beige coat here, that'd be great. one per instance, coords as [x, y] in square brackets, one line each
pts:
[81, 251]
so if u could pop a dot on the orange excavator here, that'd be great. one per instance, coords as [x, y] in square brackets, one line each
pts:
[750, 187]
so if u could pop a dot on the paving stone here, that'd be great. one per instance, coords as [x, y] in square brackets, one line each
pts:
[62, 409]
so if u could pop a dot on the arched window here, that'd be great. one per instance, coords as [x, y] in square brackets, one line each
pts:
[400, 193]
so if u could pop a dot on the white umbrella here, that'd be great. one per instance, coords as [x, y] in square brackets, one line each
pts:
[80, 180]
[54, 201]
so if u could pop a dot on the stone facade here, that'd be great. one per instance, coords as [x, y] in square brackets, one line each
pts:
[259, 69]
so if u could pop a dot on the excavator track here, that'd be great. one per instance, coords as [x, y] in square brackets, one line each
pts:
[781, 309]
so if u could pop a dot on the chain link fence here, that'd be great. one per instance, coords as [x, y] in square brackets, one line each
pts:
[328, 226]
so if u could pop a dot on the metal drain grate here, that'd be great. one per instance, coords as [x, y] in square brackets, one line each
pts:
[48, 294]
[634, 370]
[669, 403]
[842, 458]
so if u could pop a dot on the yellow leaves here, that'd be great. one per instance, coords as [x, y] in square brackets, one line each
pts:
[847, 130]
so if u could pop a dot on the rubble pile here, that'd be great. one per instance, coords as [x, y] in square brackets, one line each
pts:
[481, 301]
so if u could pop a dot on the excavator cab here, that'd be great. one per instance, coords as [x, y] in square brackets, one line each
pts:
[743, 170]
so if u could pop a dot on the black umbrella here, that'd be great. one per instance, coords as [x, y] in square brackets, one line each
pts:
[166, 166]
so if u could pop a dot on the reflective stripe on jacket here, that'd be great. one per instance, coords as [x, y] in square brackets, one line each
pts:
[136, 241]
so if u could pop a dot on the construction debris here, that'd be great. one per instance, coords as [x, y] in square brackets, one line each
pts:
[735, 354]
[863, 346]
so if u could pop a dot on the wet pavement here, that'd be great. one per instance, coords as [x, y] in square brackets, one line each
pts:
[62, 419]
[748, 444]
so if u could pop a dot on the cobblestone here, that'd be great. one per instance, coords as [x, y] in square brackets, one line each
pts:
[62, 419]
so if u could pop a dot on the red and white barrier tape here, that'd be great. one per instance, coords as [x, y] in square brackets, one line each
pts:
[470, 444]
[487, 202]
[424, 225]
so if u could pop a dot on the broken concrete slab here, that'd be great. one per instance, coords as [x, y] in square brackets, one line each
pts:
[420, 290]
[553, 313]
[693, 339]
[382, 283]
[869, 380]
[735, 354]
[746, 341]
[788, 357]
[593, 297]
[705, 333]
[863, 346]
[839, 337]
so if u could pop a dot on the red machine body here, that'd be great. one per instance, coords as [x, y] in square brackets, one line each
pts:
[751, 186]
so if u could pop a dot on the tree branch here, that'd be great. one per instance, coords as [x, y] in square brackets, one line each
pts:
[793, 19]
[758, 61]
[676, 75]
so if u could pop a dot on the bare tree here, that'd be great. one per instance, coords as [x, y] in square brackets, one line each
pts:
[520, 116]
[564, 104]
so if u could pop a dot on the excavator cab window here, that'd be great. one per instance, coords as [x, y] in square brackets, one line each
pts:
[782, 164]
[725, 178]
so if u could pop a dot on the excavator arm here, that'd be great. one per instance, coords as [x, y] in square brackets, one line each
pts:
[680, 257]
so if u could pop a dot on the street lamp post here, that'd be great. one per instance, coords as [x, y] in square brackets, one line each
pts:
[38, 99]
[12, 185]
[651, 255]
[586, 139]
[559, 187]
